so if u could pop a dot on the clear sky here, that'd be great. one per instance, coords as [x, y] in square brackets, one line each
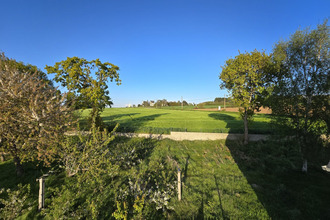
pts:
[164, 48]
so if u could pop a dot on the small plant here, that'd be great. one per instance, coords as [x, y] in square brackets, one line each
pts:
[16, 202]
[138, 207]
[121, 211]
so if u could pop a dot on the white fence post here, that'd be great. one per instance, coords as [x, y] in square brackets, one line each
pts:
[179, 184]
[41, 200]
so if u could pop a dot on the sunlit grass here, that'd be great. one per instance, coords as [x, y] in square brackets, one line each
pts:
[165, 120]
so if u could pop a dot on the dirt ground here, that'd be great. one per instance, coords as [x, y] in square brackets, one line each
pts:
[262, 110]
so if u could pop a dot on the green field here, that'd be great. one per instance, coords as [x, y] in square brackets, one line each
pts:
[150, 120]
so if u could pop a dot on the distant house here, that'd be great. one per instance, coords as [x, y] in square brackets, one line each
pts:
[152, 103]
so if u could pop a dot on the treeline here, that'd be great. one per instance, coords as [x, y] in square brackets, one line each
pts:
[163, 103]
[224, 102]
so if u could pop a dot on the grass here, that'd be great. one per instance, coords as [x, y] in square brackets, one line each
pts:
[9, 180]
[8, 174]
[150, 120]
[213, 185]
[228, 180]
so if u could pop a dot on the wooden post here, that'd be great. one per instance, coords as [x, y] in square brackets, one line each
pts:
[41, 200]
[2, 156]
[179, 184]
[224, 101]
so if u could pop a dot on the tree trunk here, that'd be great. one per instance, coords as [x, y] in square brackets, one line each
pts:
[19, 167]
[246, 129]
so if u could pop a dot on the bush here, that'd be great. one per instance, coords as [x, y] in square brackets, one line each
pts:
[15, 202]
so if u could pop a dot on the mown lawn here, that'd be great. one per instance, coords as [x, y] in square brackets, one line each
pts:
[149, 120]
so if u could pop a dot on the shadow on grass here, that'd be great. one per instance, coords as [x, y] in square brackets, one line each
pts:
[9, 180]
[235, 125]
[272, 169]
[113, 117]
[8, 176]
[135, 124]
[106, 119]
[220, 201]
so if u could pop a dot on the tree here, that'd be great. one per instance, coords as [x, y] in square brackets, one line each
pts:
[218, 100]
[33, 115]
[26, 68]
[245, 77]
[146, 103]
[302, 85]
[86, 81]
[161, 103]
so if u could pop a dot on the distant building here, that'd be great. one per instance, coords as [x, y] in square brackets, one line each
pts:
[152, 103]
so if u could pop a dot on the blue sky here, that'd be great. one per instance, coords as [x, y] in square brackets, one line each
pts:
[164, 48]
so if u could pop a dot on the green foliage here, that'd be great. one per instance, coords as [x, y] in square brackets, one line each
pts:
[227, 102]
[15, 202]
[138, 207]
[148, 189]
[86, 81]
[95, 119]
[302, 76]
[95, 164]
[249, 113]
[301, 85]
[121, 212]
[24, 68]
[245, 77]
[88, 156]
[90, 168]
[33, 115]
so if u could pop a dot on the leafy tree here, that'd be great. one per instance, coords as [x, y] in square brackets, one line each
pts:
[218, 99]
[26, 68]
[146, 103]
[161, 103]
[245, 77]
[33, 116]
[86, 82]
[171, 103]
[302, 84]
